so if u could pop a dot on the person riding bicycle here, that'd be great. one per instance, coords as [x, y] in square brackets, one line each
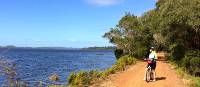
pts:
[152, 63]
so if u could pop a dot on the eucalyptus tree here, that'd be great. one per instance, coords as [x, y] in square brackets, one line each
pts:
[130, 36]
[179, 23]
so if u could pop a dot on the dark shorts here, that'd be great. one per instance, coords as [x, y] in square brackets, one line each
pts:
[153, 65]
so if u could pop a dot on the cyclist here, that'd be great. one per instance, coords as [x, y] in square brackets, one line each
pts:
[153, 58]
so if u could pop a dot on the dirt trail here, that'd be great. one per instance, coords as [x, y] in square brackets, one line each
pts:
[132, 77]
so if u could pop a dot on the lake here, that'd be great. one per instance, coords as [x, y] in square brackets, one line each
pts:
[34, 65]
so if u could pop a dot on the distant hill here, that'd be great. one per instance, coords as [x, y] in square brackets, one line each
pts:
[56, 48]
[62, 48]
[100, 48]
[8, 46]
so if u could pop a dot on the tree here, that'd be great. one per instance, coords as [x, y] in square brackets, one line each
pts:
[130, 36]
[180, 22]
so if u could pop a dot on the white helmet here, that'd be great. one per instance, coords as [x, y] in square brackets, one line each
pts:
[152, 49]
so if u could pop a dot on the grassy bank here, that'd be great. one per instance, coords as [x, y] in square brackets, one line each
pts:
[188, 79]
[87, 78]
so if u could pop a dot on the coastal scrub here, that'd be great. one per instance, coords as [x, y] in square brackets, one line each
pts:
[87, 78]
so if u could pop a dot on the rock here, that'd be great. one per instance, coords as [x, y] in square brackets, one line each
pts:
[54, 77]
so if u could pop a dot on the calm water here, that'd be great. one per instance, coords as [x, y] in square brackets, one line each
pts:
[36, 64]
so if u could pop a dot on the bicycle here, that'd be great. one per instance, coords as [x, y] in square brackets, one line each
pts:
[149, 72]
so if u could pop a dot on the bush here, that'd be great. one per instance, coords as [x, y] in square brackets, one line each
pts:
[84, 79]
[110, 70]
[191, 80]
[118, 53]
[195, 65]
[195, 82]
[177, 52]
[71, 78]
[124, 61]
[120, 65]
[191, 62]
[140, 52]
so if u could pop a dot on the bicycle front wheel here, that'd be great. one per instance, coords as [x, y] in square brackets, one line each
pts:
[148, 75]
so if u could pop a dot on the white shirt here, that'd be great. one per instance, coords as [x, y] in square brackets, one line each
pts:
[152, 55]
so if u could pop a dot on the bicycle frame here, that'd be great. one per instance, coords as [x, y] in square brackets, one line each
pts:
[149, 74]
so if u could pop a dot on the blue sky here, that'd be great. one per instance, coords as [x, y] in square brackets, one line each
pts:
[63, 23]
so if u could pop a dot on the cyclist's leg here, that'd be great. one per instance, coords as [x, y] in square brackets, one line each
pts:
[154, 75]
[154, 72]
[145, 72]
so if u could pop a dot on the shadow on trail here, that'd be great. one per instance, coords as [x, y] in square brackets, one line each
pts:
[160, 78]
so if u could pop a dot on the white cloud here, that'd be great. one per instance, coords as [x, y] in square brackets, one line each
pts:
[104, 2]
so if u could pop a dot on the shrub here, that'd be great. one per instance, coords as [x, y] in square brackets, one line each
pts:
[177, 52]
[140, 52]
[191, 62]
[110, 70]
[123, 62]
[71, 78]
[191, 80]
[120, 65]
[118, 53]
[195, 65]
[84, 78]
[195, 82]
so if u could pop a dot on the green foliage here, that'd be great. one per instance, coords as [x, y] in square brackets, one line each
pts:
[118, 53]
[123, 62]
[71, 77]
[191, 62]
[195, 82]
[130, 36]
[180, 22]
[195, 65]
[190, 80]
[84, 78]
[176, 52]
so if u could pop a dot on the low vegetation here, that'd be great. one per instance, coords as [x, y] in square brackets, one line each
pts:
[86, 78]
[189, 68]
[191, 63]
[189, 80]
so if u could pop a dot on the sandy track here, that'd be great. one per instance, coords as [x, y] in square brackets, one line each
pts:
[132, 77]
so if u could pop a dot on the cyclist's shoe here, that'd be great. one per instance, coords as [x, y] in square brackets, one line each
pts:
[154, 80]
